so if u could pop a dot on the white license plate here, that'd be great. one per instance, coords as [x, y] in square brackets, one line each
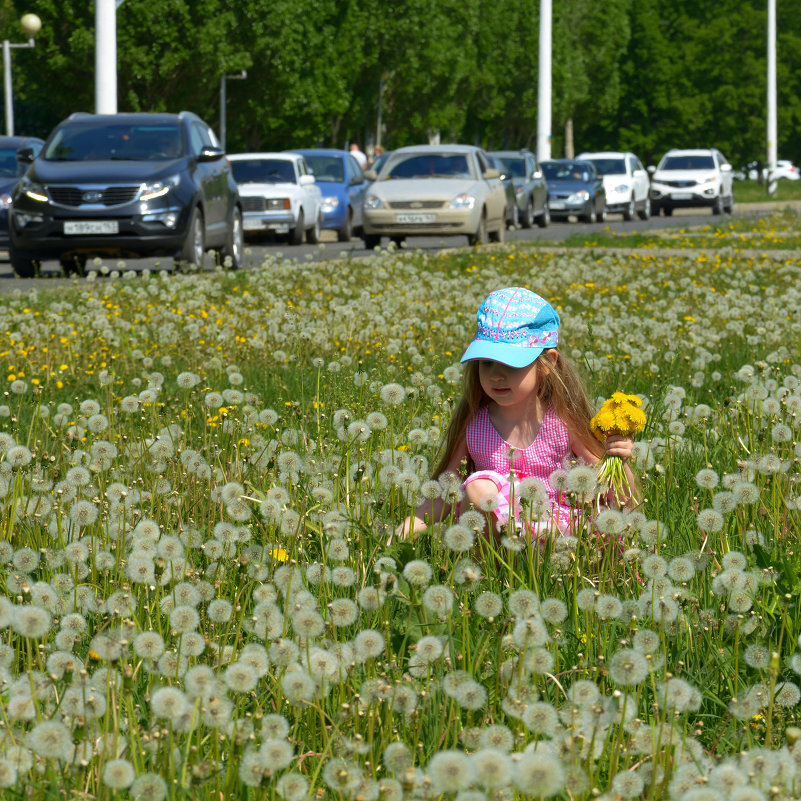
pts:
[682, 195]
[416, 218]
[253, 225]
[554, 205]
[94, 227]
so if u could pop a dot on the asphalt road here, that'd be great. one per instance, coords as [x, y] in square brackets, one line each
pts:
[329, 248]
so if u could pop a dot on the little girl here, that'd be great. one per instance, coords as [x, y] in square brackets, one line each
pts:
[523, 413]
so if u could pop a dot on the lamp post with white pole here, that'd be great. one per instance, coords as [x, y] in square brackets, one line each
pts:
[772, 128]
[31, 25]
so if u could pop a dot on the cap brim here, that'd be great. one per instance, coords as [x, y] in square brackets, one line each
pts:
[510, 355]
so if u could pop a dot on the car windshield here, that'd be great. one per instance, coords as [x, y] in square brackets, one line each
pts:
[327, 168]
[263, 171]
[123, 141]
[515, 167]
[610, 166]
[565, 171]
[429, 165]
[688, 163]
[9, 166]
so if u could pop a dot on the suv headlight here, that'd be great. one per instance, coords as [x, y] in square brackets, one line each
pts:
[330, 203]
[34, 191]
[463, 201]
[154, 189]
[373, 202]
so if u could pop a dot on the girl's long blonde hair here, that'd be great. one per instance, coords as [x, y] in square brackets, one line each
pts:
[558, 385]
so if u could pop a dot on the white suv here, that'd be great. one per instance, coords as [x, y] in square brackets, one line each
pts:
[687, 178]
[626, 183]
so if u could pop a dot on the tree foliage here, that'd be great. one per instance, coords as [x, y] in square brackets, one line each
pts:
[642, 75]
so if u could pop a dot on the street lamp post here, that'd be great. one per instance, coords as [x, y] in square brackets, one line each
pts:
[242, 75]
[31, 25]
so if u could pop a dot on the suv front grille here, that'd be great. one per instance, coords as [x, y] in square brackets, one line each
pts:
[684, 184]
[109, 196]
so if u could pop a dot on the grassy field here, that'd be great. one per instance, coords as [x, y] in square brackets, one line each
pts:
[754, 192]
[200, 474]
[767, 230]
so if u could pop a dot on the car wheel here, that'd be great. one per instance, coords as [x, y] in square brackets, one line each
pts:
[589, 213]
[729, 207]
[397, 240]
[500, 234]
[313, 233]
[600, 216]
[480, 236]
[667, 211]
[73, 265]
[23, 266]
[234, 242]
[544, 220]
[628, 212]
[527, 218]
[194, 246]
[346, 232]
[296, 234]
[645, 211]
[717, 206]
[515, 223]
[372, 241]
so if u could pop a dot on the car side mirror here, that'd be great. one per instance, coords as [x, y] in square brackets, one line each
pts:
[536, 175]
[725, 167]
[371, 175]
[210, 154]
[651, 169]
[638, 173]
[357, 179]
[491, 173]
[26, 155]
[305, 180]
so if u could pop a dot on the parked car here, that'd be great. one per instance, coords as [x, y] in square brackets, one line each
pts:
[125, 185]
[626, 183]
[512, 214]
[784, 169]
[435, 190]
[574, 187]
[278, 194]
[342, 183]
[692, 178]
[531, 190]
[11, 171]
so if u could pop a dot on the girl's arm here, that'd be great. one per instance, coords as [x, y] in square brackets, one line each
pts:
[614, 445]
[432, 510]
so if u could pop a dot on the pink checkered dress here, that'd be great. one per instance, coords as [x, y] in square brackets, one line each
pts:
[490, 452]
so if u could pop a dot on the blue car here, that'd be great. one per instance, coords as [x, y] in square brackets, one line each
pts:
[10, 172]
[343, 185]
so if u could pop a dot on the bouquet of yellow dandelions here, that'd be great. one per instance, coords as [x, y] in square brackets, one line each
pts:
[621, 414]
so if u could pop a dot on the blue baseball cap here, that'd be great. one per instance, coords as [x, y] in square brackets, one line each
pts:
[515, 325]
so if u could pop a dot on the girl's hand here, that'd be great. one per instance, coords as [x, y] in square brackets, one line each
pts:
[618, 445]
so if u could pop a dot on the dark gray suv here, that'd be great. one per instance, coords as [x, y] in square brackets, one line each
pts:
[129, 185]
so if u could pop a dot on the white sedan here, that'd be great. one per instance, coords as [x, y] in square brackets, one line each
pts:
[278, 194]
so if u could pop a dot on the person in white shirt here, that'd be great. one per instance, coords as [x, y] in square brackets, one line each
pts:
[356, 152]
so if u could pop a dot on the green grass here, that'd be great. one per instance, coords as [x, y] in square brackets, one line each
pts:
[768, 230]
[754, 192]
[200, 474]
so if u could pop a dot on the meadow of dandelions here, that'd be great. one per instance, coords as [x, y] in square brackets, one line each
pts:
[202, 598]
